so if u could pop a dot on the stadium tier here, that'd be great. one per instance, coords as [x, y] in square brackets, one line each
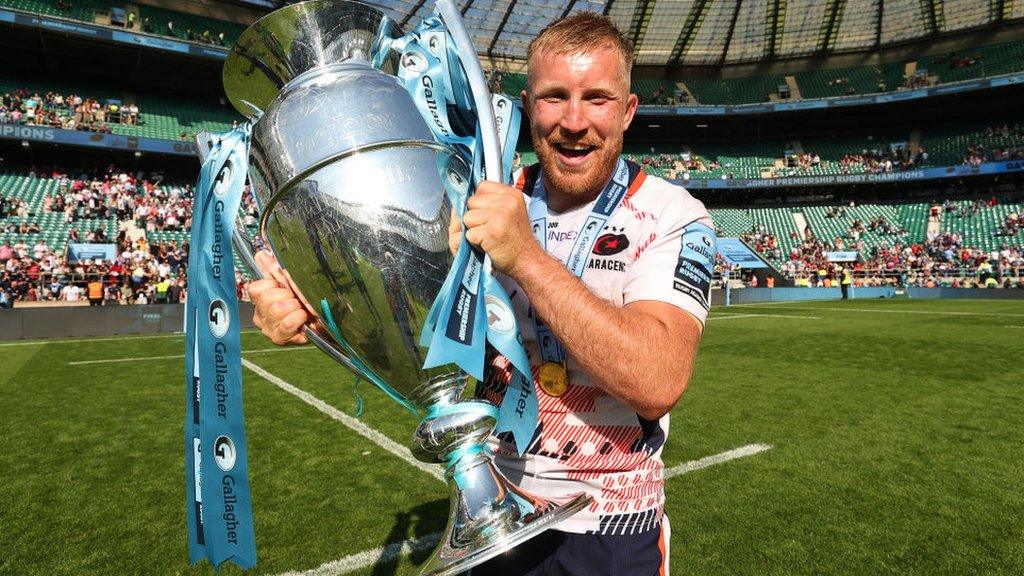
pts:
[142, 17]
[994, 60]
[781, 234]
[160, 116]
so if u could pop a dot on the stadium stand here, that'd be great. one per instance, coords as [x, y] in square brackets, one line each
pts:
[41, 213]
[973, 236]
[159, 116]
[147, 18]
[993, 60]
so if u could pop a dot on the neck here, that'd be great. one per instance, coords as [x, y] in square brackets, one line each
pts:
[560, 201]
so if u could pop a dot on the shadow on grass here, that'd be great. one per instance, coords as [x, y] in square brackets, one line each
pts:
[422, 521]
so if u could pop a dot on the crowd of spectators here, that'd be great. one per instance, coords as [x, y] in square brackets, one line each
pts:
[997, 144]
[140, 272]
[885, 159]
[70, 111]
[942, 260]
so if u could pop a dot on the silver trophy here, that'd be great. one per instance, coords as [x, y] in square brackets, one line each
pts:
[350, 185]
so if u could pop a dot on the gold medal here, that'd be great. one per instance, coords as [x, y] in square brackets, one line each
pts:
[553, 379]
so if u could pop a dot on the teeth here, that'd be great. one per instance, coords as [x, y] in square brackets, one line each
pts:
[576, 148]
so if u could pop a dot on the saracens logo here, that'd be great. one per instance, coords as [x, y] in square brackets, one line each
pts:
[611, 243]
[219, 318]
[224, 453]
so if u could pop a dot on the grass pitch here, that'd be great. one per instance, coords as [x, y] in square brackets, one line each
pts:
[897, 434]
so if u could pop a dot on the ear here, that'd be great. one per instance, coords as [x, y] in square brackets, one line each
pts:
[631, 103]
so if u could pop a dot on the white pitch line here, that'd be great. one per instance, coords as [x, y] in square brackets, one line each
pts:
[73, 340]
[879, 311]
[123, 337]
[388, 554]
[180, 356]
[383, 555]
[765, 316]
[354, 424]
[1014, 326]
[741, 452]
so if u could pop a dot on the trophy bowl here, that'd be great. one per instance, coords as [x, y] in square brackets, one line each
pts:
[350, 185]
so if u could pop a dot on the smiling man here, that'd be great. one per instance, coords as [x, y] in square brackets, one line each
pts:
[610, 273]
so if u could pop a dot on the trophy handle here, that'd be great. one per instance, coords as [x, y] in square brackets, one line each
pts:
[478, 86]
[244, 247]
[452, 19]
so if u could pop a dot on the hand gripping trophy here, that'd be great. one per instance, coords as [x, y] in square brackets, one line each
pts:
[360, 143]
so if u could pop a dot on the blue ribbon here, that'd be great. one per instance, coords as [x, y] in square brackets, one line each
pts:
[551, 350]
[218, 500]
[472, 307]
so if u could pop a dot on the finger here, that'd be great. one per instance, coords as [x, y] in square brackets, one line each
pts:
[263, 300]
[283, 307]
[290, 327]
[257, 288]
[265, 262]
[270, 267]
[475, 236]
[476, 217]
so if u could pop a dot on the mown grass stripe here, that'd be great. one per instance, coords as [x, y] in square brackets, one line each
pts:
[879, 311]
[389, 553]
[178, 356]
[355, 425]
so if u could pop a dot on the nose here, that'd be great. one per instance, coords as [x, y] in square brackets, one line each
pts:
[574, 119]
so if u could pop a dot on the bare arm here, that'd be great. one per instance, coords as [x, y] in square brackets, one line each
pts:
[642, 353]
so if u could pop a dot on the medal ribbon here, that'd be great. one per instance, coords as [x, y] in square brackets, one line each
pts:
[459, 325]
[551, 350]
[218, 501]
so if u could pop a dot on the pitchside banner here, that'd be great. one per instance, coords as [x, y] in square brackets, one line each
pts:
[736, 252]
[218, 502]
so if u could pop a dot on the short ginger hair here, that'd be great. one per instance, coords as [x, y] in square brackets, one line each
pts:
[582, 33]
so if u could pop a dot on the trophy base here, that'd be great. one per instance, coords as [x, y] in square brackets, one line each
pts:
[472, 539]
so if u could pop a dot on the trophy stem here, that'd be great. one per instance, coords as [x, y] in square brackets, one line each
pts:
[488, 514]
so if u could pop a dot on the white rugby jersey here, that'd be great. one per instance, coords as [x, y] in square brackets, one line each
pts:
[586, 440]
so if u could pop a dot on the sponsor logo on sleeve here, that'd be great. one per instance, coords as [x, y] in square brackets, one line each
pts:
[696, 263]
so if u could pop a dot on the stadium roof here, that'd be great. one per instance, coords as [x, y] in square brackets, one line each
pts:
[714, 32]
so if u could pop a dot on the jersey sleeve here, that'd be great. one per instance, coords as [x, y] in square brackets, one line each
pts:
[677, 266]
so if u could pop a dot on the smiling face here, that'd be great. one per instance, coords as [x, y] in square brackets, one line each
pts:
[579, 105]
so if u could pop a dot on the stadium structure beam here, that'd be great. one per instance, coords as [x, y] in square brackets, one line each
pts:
[999, 11]
[638, 25]
[415, 9]
[689, 30]
[878, 24]
[830, 24]
[607, 7]
[568, 8]
[501, 28]
[466, 8]
[930, 16]
[778, 7]
[729, 33]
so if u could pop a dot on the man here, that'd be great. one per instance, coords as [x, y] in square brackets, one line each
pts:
[627, 314]
[94, 292]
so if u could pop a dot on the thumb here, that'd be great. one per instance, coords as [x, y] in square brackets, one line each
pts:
[268, 266]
